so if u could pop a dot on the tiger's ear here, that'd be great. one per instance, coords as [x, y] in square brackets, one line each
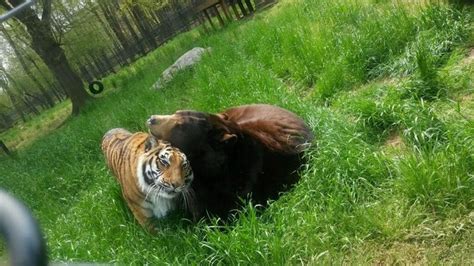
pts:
[150, 143]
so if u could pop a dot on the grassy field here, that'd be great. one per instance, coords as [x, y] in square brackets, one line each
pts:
[24, 133]
[387, 87]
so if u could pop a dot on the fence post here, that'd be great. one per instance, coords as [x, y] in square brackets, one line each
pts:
[4, 148]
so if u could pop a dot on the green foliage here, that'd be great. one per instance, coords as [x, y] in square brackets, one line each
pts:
[358, 72]
[438, 179]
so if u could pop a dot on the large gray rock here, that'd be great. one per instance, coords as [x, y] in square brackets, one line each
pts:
[188, 59]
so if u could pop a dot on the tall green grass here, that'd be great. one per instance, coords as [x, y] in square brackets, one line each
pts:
[357, 71]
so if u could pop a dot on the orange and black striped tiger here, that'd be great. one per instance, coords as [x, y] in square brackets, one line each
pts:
[154, 176]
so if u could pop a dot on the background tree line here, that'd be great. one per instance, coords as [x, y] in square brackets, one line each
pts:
[50, 51]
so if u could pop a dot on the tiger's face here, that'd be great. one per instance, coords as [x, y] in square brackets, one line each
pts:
[164, 171]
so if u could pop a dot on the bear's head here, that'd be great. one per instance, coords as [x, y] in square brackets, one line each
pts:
[191, 130]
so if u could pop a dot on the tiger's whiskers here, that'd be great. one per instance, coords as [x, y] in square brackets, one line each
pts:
[149, 190]
[189, 202]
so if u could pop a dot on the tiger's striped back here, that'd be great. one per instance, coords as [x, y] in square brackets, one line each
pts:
[122, 149]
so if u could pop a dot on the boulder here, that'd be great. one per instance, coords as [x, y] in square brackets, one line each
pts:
[188, 59]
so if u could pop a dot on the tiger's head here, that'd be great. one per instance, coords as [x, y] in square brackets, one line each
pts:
[163, 170]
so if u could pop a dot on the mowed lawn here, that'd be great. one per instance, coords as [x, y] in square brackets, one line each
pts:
[387, 87]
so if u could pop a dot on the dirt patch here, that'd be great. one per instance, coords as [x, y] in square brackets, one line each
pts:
[467, 106]
[469, 58]
[467, 98]
[395, 141]
[471, 55]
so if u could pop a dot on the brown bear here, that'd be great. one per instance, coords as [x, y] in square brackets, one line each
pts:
[246, 150]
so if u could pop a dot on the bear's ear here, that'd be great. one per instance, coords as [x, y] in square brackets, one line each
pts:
[220, 132]
[223, 116]
[220, 137]
[150, 143]
[228, 138]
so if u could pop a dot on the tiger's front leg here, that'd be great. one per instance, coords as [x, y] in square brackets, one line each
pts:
[143, 216]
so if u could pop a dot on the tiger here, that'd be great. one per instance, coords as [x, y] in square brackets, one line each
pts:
[154, 176]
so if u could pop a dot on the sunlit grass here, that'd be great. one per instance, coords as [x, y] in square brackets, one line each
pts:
[24, 133]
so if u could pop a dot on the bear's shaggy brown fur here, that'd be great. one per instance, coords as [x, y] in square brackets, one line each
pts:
[246, 150]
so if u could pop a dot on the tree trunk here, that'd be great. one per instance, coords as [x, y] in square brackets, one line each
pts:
[57, 62]
[58, 92]
[7, 121]
[4, 148]
[107, 30]
[44, 104]
[30, 104]
[143, 26]
[12, 97]
[135, 37]
[113, 22]
[5, 82]
[107, 63]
